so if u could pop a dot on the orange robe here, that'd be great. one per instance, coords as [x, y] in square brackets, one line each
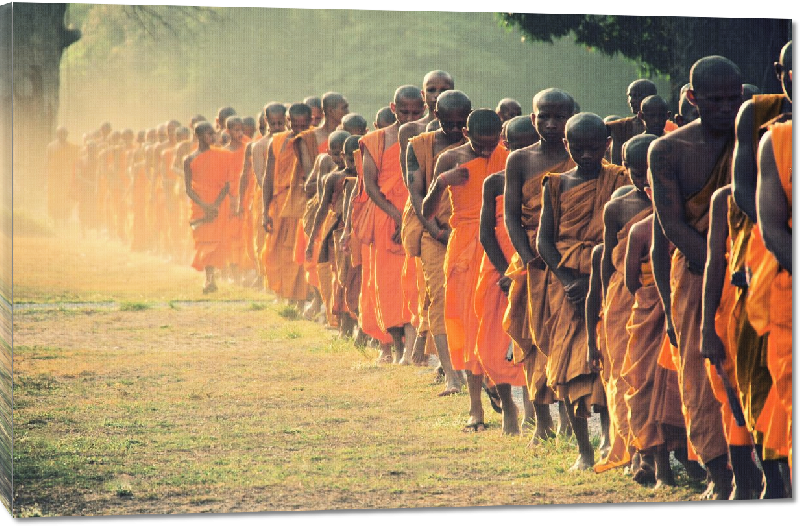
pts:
[463, 259]
[209, 175]
[387, 257]
[61, 159]
[490, 304]
[139, 196]
[283, 275]
[237, 254]
[776, 418]
[617, 310]
[702, 410]
[301, 240]
[578, 228]
[524, 319]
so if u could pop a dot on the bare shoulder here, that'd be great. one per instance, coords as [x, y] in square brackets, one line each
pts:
[494, 184]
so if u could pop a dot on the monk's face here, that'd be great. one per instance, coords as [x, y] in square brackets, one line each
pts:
[717, 103]
[236, 132]
[337, 156]
[206, 136]
[550, 119]
[636, 165]
[316, 116]
[508, 112]
[587, 149]
[408, 110]
[654, 118]
[636, 94]
[452, 123]
[433, 88]
[276, 122]
[299, 123]
[337, 114]
[349, 161]
[516, 141]
[482, 145]
[249, 131]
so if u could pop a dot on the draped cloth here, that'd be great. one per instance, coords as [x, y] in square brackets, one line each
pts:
[528, 308]
[210, 172]
[578, 227]
[463, 259]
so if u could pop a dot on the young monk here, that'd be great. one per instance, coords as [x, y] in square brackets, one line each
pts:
[571, 225]
[207, 185]
[461, 171]
[317, 114]
[61, 157]
[355, 124]
[384, 118]
[319, 249]
[491, 296]
[774, 193]
[383, 184]
[620, 214]
[282, 214]
[184, 147]
[623, 129]
[222, 117]
[422, 154]
[654, 113]
[687, 112]
[327, 225]
[309, 145]
[507, 109]
[171, 225]
[686, 167]
[238, 260]
[528, 309]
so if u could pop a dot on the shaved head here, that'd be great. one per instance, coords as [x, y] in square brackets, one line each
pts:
[384, 117]
[634, 151]
[224, 113]
[786, 56]
[354, 124]
[453, 100]
[437, 75]
[336, 139]
[407, 93]
[748, 90]
[313, 102]
[519, 132]
[274, 108]
[483, 122]
[200, 127]
[300, 109]
[654, 103]
[711, 72]
[644, 86]
[351, 144]
[553, 96]
[182, 133]
[508, 109]
[233, 121]
[332, 100]
[586, 126]
[783, 68]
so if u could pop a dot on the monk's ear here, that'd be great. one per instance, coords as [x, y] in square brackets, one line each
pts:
[533, 119]
[691, 97]
[465, 132]
[393, 107]
[566, 143]
[640, 115]
[608, 142]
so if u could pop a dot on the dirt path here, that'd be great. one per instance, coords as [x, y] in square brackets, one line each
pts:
[140, 397]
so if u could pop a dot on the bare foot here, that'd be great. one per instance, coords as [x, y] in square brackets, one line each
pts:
[385, 356]
[511, 420]
[582, 464]
[474, 427]
[662, 484]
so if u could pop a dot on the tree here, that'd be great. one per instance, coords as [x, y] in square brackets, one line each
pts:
[669, 45]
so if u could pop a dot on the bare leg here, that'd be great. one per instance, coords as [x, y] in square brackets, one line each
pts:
[386, 353]
[410, 335]
[210, 285]
[510, 413]
[529, 417]
[312, 309]
[747, 477]
[564, 421]
[664, 476]
[773, 482]
[605, 424]
[693, 468]
[475, 387]
[721, 478]
[397, 340]
[646, 472]
[452, 379]
[418, 354]
[544, 424]
[581, 428]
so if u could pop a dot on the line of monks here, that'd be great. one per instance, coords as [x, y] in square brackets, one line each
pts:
[638, 267]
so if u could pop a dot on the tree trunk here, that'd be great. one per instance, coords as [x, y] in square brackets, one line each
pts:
[39, 37]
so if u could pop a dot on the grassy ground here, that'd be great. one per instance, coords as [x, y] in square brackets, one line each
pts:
[150, 405]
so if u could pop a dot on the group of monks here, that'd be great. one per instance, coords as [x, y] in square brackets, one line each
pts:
[637, 267]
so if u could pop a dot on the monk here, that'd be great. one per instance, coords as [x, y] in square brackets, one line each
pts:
[687, 112]
[571, 225]
[384, 118]
[421, 157]
[222, 117]
[461, 171]
[317, 114]
[623, 129]
[327, 225]
[653, 399]
[654, 113]
[171, 224]
[319, 249]
[620, 214]
[281, 215]
[528, 310]
[184, 147]
[686, 167]
[507, 109]
[383, 183]
[730, 342]
[61, 158]
[236, 252]
[491, 296]
[207, 185]
[774, 193]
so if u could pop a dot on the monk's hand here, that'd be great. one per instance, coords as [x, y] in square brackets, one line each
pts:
[267, 224]
[344, 242]
[309, 252]
[397, 236]
[670, 329]
[593, 358]
[504, 283]
[441, 234]
[712, 348]
[455, 177]
[577, 289]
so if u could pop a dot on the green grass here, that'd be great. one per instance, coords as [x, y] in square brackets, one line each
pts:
[133, 306]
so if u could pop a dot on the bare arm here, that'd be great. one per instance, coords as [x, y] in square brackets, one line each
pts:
[594, 304]
[669, 206]
[187, 170]
[638, 244]
[311, 185]
[404, 134]
[616, 144]
[515, 179]
[609, 243]
[744, 162]
[306, 158]
[714, 275]
[374, 191]
[773, 208]
[319, 216]
[447, 173]
[546, 241]
[492, 187]
[662, 267]
[267, 187]
[244, 177]
[416, 192]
